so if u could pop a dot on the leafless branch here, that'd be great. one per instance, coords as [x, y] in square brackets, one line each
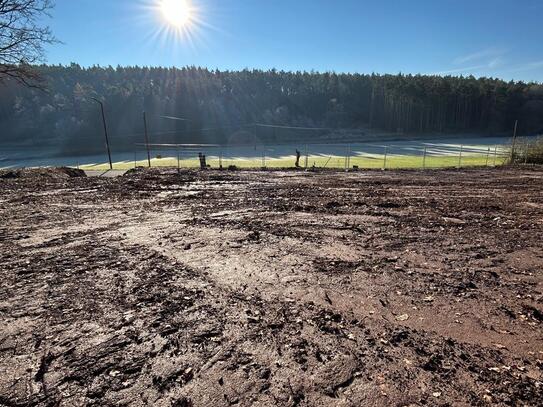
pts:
[22, 39]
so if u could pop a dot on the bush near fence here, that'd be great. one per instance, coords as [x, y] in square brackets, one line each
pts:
[528, 151]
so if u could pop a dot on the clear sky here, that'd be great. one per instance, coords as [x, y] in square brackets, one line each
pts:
[498, 38]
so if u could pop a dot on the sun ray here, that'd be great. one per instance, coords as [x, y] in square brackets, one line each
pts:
[179, 37]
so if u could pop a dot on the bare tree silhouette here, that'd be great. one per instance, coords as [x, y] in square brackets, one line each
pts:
[23, 36]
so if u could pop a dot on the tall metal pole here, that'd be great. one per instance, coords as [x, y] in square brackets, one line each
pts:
[105, 131]
[514, 141]
[146, 139]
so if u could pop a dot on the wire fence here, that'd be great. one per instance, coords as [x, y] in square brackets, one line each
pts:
[416, 154]
[270, 146]
[406, 155]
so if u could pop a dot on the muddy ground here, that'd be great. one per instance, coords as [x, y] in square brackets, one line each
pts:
[272, 289]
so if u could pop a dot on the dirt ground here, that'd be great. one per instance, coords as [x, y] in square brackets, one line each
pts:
[272, 288]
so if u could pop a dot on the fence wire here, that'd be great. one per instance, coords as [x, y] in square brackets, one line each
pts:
[334, 156]
[369, 155]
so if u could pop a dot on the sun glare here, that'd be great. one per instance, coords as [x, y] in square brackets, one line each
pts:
[178, 13]
[179, 24]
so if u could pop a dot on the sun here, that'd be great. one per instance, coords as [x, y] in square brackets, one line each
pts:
[179, 24]
[178, 13]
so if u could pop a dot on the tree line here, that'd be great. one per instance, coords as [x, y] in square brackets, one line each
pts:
[222, 106]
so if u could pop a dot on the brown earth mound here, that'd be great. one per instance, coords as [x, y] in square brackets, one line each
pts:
[60, 172]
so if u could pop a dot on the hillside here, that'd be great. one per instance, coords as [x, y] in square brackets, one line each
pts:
[221, 107]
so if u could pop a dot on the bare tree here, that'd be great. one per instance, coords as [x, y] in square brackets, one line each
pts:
[22, 39]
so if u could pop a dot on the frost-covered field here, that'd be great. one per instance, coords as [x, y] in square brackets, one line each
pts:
[439, 152]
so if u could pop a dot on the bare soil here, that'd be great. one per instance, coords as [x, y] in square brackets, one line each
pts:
[272, 288]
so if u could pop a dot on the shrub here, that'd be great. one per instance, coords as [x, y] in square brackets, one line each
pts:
[529, 152]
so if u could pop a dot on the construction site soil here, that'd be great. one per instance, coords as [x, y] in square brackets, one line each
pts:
[284, 288]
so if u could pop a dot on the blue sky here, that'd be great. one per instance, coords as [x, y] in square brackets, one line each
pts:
[498, 38]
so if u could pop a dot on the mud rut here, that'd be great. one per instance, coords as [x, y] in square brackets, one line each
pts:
[283, 288]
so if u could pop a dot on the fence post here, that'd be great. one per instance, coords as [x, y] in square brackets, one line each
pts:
[460, 157]
[178, 162]
[147, 139]
[526, 152]
[306, 156]
[495, 154]
[385, 159]
[487, 155]
[424, 159]
[220, 158]
[135, 159]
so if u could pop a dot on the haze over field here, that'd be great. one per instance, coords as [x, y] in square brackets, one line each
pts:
[242, 107]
